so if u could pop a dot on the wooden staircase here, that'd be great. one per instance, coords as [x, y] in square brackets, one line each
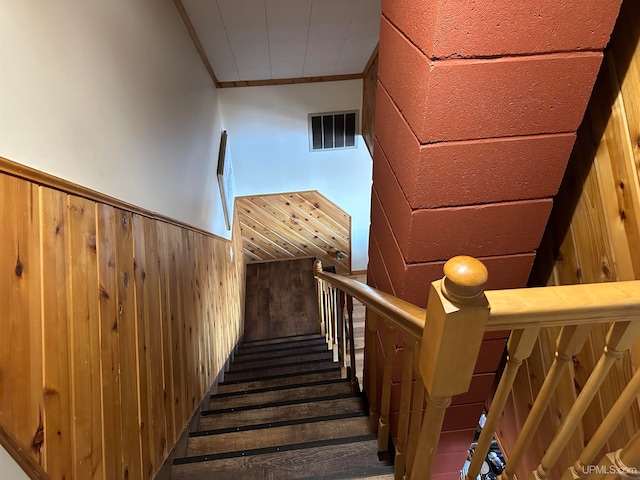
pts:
[283, 412]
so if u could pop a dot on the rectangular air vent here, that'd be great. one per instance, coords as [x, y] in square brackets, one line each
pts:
[332, 130]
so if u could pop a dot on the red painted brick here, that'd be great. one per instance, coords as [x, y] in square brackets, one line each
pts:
[378, 269]
[509, 271]
[390, 194]
[457, 417]
[446, 476]
[479, 389]
[386, 241]
[438, 234]
[499, 27]
[456, 440]
[489, 357]
[449, 100]
[478, 231]
[469, 172]
[450, 462]
[412, 282]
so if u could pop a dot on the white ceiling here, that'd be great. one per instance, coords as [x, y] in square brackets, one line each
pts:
[274, 39]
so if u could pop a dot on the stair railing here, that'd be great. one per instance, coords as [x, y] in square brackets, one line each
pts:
[441, 346]
[337, 329]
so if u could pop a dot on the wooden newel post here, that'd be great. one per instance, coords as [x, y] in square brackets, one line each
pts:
[456, 318]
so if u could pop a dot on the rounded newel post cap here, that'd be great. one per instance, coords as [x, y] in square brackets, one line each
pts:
[317, 266]
[464, 279]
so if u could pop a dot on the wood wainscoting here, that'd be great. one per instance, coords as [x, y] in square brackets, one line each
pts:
[113, 326]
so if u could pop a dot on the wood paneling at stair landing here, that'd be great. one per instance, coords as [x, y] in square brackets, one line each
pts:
[280, 299]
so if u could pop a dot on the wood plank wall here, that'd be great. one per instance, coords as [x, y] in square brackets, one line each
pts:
[113, 325]
[593, 236]
[281, 299]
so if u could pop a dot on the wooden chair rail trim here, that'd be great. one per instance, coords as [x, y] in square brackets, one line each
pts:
[405, 315]
[33, 470]
[38, 177]
[564, 305]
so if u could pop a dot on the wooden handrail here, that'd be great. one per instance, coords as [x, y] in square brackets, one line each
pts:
[406, 315]
[21, 456]
[557, 306]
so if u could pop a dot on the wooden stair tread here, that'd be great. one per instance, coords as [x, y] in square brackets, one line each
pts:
[248, 357]
[371, 473]
[248, 385]
[242, 399]
[305, 367]
[283, 413]
[278, 347]
[308, 431]
[273, 362]
[288, 339]
[290, 462]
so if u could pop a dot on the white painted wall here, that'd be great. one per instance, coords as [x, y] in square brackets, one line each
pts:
[268, 133]
[9, 469]
[113, 96]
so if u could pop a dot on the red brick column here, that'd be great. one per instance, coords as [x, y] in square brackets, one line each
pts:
[477, 107]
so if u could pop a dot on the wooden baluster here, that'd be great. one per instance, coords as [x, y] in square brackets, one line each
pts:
[340, 332]
[335, 323]
[352, 347]
[388, 350]
[416, 414]
[405, 403]
[317, 268]
[329, 308]
[620, 337]
[570, 342]
[371, 361]
[604, 431]
[457, 311]
[624, 463]
[519, 347]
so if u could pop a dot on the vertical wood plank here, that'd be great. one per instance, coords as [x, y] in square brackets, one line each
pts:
[177, 331]
[132, 455]
[167, 357]
[85, 335]
[110, 341]
[153, 326]
[20, 315]
[143, 361]
[56, 340]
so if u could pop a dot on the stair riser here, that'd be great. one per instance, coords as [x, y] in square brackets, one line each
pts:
[279, 347]
[263, 398]
[291, 339]
[248, 357]
[260, 364]
[282, 370]
[283, 435]
[281, 413]
[278, 382]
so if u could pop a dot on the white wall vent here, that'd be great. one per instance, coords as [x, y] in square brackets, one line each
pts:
[333, 130]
